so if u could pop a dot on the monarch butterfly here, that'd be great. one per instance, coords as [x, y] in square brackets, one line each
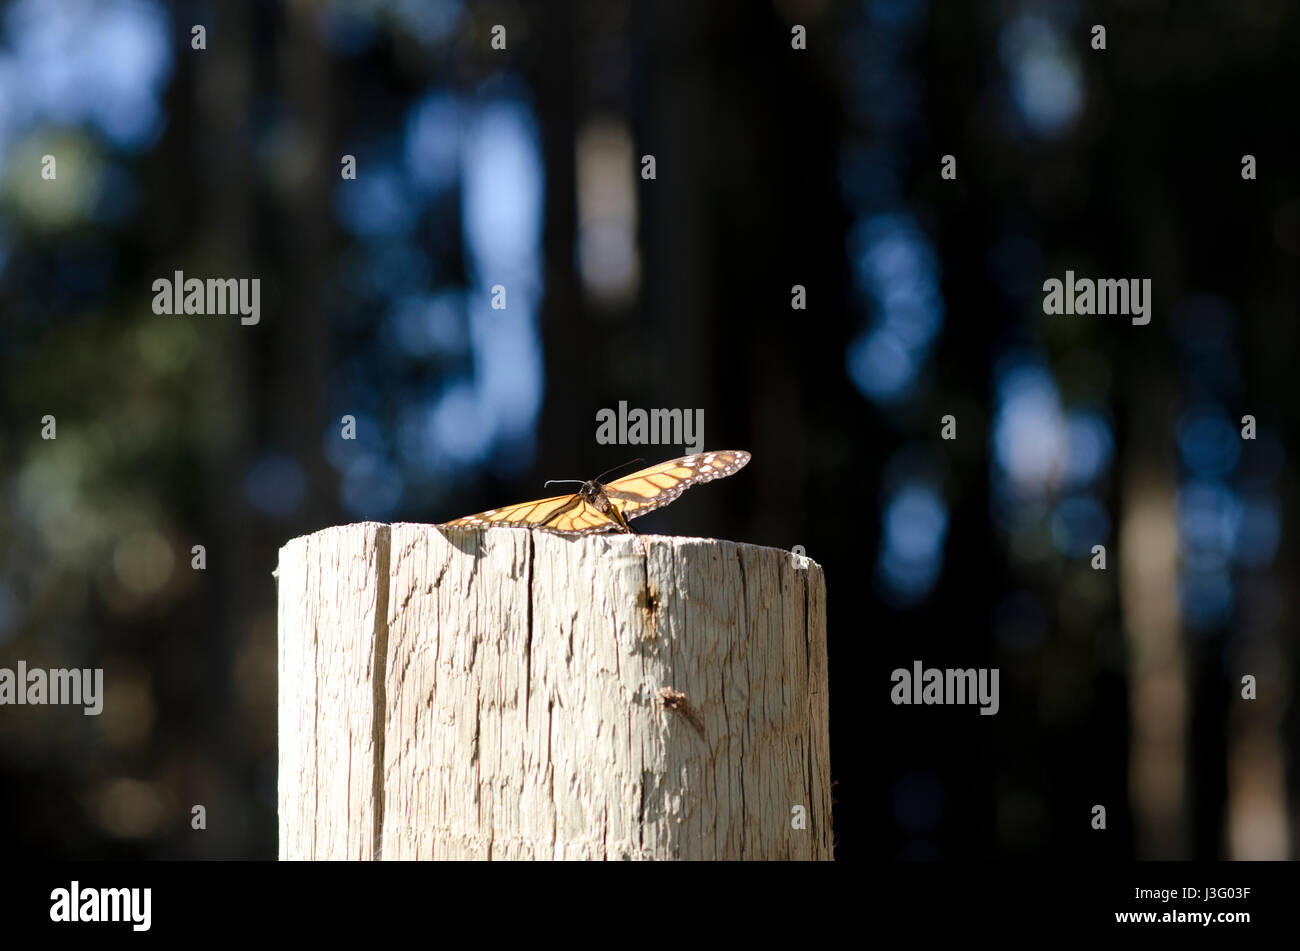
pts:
[598, 507]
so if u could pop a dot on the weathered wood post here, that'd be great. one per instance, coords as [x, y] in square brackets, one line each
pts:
[506, 694]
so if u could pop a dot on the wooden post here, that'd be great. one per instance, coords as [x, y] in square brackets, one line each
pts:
[506, 694]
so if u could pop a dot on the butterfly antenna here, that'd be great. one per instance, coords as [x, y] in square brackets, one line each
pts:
[601, 477]
[550, 482]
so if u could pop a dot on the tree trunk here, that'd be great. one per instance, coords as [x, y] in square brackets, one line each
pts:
[522, 695]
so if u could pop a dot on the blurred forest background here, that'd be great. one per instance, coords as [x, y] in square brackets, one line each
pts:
[775, 167]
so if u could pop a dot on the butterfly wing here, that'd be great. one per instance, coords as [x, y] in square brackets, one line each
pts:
[634, 495]
[653, 488]
[560, 513]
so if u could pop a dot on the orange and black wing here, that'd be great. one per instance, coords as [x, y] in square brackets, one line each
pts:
[560, 513]
[653, 488]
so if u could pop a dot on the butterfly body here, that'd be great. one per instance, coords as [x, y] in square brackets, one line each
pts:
[593, 493]
[601, 507]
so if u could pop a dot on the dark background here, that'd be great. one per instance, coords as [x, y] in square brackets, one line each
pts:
[775, 167]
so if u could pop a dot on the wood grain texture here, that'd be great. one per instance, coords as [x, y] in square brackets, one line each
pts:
[506, 694]
[333, 607]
